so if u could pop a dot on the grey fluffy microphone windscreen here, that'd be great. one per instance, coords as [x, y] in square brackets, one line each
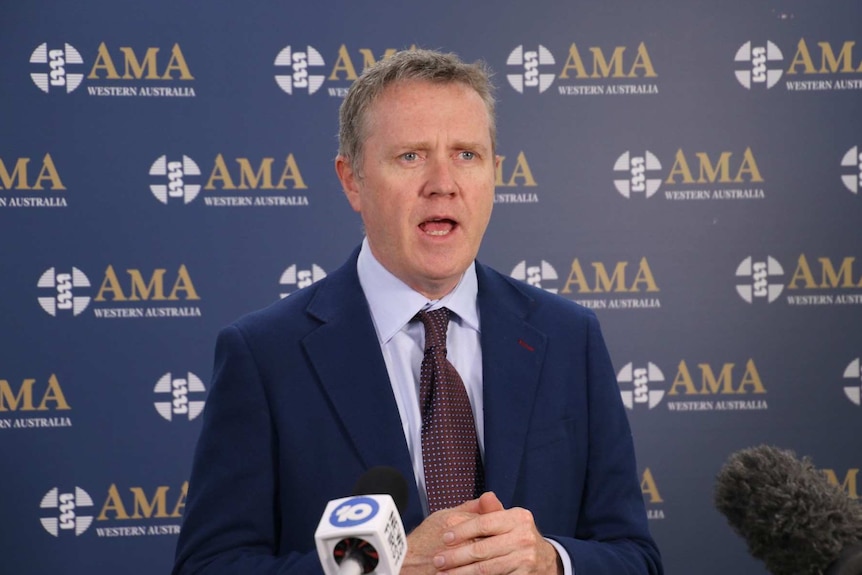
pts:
[790, 516]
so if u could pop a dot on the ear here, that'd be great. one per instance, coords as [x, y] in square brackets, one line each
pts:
[349, 181]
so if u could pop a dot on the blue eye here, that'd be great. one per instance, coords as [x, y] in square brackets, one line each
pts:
[467, 155]
[410, 156]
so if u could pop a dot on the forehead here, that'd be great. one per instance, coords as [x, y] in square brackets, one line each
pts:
[415, 106]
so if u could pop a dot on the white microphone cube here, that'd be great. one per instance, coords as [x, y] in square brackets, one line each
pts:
[370, 518]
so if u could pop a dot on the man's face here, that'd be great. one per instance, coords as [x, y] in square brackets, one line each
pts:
[425, 187]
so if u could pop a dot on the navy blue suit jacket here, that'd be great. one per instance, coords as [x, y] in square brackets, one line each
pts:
[301, 405]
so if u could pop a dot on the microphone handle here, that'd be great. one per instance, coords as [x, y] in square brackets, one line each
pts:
[352, 565]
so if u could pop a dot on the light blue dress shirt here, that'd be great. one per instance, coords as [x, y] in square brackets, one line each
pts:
[393, 305]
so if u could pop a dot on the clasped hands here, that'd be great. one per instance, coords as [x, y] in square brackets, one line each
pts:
[479, 537]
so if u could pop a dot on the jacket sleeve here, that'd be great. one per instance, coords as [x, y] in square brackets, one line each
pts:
[230, 523]
[611, 536]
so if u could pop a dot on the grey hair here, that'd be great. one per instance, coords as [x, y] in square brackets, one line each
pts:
[403, 66]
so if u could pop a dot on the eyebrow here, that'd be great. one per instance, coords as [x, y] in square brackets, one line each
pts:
[458, 145]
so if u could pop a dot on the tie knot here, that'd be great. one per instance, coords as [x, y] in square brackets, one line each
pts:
[436, 323]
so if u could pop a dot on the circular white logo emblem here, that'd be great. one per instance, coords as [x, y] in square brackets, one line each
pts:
[760, 276]
[178, 186]
[67, 505]
[529, 75]
[296, 278]
[854, 391]
[58, 76]
[765, 64]
[67, 293]
[536, 275]
[298, 63]
[180, 389]
[637, 170]
[640, 379]
[853, 159]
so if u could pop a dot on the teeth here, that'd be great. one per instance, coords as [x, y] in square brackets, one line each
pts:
[438, 233]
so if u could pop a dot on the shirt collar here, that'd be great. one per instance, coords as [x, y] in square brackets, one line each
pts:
[393, 303]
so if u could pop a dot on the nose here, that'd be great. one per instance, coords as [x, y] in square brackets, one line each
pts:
[440, 177]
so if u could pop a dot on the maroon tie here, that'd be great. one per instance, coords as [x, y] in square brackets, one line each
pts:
[450, 450]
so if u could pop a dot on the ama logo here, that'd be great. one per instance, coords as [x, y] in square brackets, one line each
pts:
[294, 278]
[57, 60]
[853, 160]
[180, 389]
[67, 505]
[529, 76]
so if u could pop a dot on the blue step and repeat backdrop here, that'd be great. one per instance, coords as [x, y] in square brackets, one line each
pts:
[689, 169]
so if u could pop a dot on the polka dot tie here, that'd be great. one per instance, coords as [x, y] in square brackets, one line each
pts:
[450, 450]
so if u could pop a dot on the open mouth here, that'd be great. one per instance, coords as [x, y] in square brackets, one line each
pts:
[438, 227]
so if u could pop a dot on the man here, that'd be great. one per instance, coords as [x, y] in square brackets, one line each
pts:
[314, 390]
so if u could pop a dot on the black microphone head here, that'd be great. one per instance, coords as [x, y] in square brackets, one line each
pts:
[383, 480]
[790, 516]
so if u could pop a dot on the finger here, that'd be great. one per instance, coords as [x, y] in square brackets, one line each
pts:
[489, 502]
[480, 526]
[471, 506]
[486, 504]
[492, 555]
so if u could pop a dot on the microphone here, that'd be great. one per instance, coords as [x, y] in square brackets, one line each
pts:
[363, 533]
[790, 516]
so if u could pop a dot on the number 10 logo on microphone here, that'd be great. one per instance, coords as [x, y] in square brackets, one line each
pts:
[355, 511]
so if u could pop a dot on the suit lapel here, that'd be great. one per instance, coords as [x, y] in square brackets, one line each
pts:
[512, 355]
[346, 356]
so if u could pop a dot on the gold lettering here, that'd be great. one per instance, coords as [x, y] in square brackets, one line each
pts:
[643, 62]
[844, 275]
[291, 172]
[221, 173]
[574, 62]
[708, 173]
[605, 283]
[135, 69]
[849, 485]
[576, 276]
[183, 284]
[751, 378]
[178, 63]
[802, 272]
[343, 64]
[48, 172]
[644, 276]
[802, 58]
[142, 504]
[113, 503]
[24, 399]
[19, 172]
[749, 166]
[180, 507]
[110, 284]
[680, 167]
[828, 61]
[103, 62]
[602, 68]
[248, 176]
[682, 379]
[521, 171]
[10, 401]
[141, 291]
[709, 383]
[649, 488]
